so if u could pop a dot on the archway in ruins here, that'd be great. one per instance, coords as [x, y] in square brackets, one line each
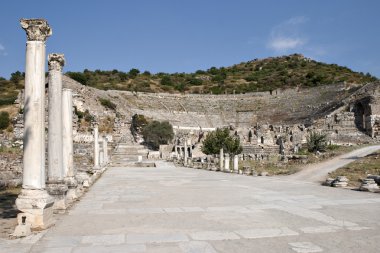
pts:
[361, 112]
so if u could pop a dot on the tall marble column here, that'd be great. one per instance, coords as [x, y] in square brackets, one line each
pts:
[34, 202]
[227, 163]
[221, 157]
[236, 164]
[185, 157]
[96, 148]
[55, 184]
[69, 170]
[105, 150]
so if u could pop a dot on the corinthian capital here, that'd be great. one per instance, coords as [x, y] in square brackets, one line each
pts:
[36, 29]
[56, 61]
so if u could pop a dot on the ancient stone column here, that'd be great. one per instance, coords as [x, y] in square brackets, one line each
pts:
[185, 158]
[236, 164]
[105, 150]
[55, 185]
[96, 148]
[34, 202]
[227, 163]
[221, 156]
[69, 170]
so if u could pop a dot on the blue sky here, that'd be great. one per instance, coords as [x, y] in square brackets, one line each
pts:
[184, 36]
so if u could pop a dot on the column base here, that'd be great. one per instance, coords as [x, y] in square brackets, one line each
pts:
[58, 191]
[72, 192]
[36, 207]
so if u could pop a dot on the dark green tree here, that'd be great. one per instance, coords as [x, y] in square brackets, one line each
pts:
[221, 138]
[316, 142]
[133, 73]
[16, 77]
[157, 133]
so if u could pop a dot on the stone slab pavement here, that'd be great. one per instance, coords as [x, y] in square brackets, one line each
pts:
[168, 209]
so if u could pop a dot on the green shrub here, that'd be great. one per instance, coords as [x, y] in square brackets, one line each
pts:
[167, 81]
[4, 120]
[316, 142]
[157, 133]
[107, 103]
[220, 138]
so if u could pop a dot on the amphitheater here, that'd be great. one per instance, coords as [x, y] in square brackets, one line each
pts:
[172, 200]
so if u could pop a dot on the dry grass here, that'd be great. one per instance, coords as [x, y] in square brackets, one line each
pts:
[280, 168]
[358, 170]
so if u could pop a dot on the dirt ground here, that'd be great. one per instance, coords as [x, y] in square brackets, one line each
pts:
[8, 211]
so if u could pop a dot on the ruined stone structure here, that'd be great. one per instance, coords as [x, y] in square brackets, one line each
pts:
[53, 189]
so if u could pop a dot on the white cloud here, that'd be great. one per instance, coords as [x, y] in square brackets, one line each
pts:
[287, 36]
[284, 44]
[2, 51]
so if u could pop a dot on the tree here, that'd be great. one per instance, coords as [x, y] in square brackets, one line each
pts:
[220, 138]
[133, 73]
[4, 120]
[16, 77]
[316, 142]
[157, 133]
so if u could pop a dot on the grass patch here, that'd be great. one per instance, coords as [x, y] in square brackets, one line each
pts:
[359, 169]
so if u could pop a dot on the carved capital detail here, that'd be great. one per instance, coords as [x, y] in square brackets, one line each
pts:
[56, 61]
[36, 29]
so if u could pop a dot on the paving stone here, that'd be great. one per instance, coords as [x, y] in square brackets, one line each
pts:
[197, 247]
[112, 249]
[103, 239]
[155, 238]
[266, 232]
[320, 229]
[305, 247]
[213, 236]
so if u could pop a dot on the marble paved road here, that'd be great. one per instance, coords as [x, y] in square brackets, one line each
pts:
[168, 209]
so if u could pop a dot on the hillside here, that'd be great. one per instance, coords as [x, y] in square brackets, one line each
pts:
[256, 75]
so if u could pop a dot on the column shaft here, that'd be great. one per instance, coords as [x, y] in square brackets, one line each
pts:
[67, 125]
[34, 117]
[96, 148]
[55, 170]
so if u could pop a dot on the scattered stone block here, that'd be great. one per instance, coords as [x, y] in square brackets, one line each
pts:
[263, 173]
[369, 184]
[328, 181]
[340, 181]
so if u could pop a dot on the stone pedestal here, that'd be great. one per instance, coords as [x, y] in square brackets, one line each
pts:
[58, 192]
[227, 163]
[221, 158]
[34, 202]
[236, 164]
[37, 207]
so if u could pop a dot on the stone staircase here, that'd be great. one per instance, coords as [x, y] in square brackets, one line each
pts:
[127, 154]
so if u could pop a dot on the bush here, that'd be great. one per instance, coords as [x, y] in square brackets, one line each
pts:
[138, 122]
[78, 76]
[157, 133]
[316, 142]
[107, 103]
[4, 120]
[133, 73]
[166, 80]
[221, 139]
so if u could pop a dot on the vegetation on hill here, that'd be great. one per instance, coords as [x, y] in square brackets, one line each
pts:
[256, 75]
